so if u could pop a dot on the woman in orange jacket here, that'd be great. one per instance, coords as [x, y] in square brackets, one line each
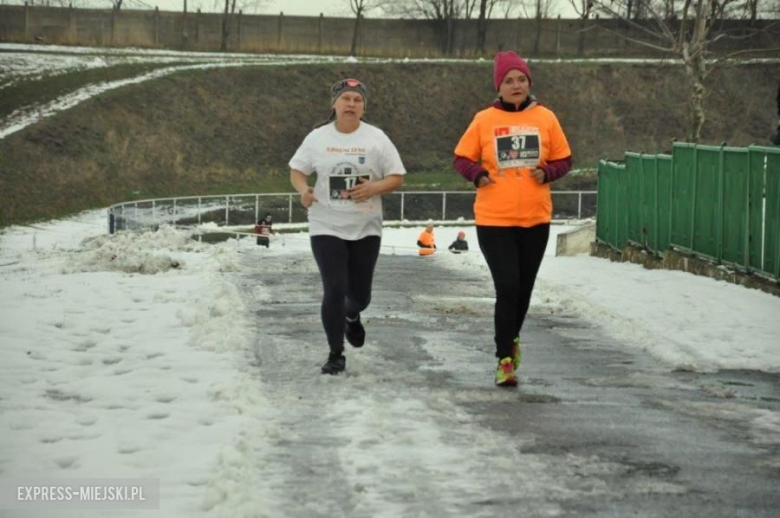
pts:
[512, 151]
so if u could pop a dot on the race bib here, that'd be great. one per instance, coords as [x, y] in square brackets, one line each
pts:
[517, 147]
[343, 177]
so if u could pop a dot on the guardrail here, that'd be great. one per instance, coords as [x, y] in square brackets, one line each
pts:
[246, 209]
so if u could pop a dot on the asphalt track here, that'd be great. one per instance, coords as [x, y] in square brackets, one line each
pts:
[416, 428]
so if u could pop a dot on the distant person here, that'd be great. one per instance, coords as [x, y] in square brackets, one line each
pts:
[776, 137]
[512, 151]
[264, 229]
[427, 241]
[355, 163]
[460, 244]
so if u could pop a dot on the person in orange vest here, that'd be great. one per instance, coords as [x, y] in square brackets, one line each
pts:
[512, 151]
[427, 241]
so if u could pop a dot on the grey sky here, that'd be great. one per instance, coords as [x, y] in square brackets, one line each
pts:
[302, 7]
[289, 7]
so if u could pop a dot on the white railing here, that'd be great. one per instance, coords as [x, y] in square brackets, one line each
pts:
[246, 209]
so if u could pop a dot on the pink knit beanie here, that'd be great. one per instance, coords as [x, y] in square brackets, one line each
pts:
[506, 61]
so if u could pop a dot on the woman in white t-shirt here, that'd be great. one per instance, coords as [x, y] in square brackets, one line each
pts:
[355, 163]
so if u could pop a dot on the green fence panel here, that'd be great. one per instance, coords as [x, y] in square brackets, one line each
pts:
[602, 203]
[664, 205]
[734, 217]
[650, 201]
[707, 202]
[611, 215]
[718, 202]
[772, 215]
[622, 207]
[612, 202]
[756, 159]
[633, 175]
[683, 174]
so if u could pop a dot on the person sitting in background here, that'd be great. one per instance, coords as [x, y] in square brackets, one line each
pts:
[460, 244]
[426, 241]
[263, 230]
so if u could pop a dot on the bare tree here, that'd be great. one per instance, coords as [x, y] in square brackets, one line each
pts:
[229, 13]
[541, 11]
[130, 4]
[751, 9]
[482, 26]
[684, 30]
[509, 7]
[442, 13]
[467, 9]
[584, 8]
[359, 9]
[226, 15]
[486, 8]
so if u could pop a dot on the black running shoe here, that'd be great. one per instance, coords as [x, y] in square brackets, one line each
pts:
[336, 363]
[355, 333]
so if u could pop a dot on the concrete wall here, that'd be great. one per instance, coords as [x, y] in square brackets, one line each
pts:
[302, 34]
[675, 260]
[575, 241]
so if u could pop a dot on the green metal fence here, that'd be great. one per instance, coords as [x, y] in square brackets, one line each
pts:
[717, 202]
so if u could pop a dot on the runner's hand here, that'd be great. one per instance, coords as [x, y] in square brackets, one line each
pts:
[485, 180]
[362, 191]
[307, 198]
[538, 175]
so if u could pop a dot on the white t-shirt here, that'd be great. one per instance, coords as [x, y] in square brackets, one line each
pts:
[340, 159]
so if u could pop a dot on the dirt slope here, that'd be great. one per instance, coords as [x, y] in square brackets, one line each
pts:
[234, 130]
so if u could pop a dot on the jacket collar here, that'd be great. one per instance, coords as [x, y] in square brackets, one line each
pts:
[499, 104]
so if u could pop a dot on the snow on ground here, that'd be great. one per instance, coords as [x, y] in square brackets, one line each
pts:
[131, 355]
[28, 115]
[30, 62]
[135, 51]
[106, 370]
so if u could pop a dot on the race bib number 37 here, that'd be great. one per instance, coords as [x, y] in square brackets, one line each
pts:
[517, 146]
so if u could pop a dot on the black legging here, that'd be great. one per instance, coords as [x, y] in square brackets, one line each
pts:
[347, 270]
[513, 255]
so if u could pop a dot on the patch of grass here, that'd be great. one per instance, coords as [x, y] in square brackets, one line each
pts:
[437, 180]
[449, 180]
[583, 179]
[28, 92]
[231, 131]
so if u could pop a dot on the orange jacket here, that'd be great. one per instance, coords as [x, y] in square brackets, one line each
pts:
[510, 145]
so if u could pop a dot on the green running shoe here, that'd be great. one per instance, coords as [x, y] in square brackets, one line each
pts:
[516, 354]
[505, 373]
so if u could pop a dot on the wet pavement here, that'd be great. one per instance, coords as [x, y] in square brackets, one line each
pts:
[594, 429]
